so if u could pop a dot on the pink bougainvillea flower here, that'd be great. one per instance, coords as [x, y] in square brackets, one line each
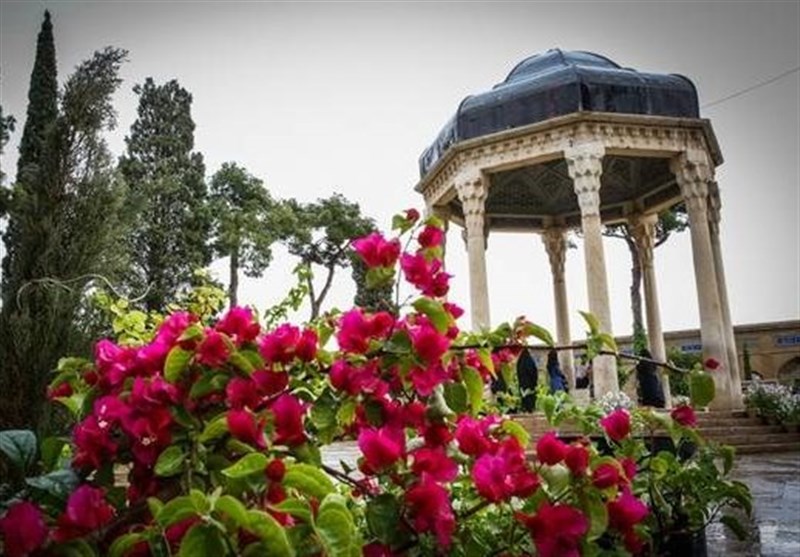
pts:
[87, 510]
[606, 475]
[241, 392]
[430, 237]
[307, 345]
[376, 251]
[377, 549]
[149, 433]
[431, 511]
[437, 434]
[151, 393]
[550, 449]
[624, 513]
[355, 380]
[279, 345]
[288, 414]
[629, 467]
[238, 324]
[213, 350]
[61, 390]
[684, 415]
[711, 364]
[557, 530]
[246, 428]
[412, 215]
[113, 363]
[472, 435]
[428, 277]
[490, 474]
[23, 529]
[93, 443]
[577, 460]
[356, 329]
[428, 343]
[270, 382]
[617, 424]
[426, 379]
[174, 326]
[275, 470]
[381, 447]
[435, 463]
[175, 533]
[454, 310]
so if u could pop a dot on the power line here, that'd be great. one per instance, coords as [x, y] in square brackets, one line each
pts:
[751, 88]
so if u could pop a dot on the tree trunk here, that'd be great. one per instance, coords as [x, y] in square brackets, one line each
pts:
[233, 287]
[636, 285]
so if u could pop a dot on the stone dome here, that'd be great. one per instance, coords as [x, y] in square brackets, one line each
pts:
[556, 83]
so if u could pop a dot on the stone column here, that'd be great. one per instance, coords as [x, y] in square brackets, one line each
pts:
[693, 173]
[643, 228]
[585, 165]
[472, 193]
[555, 242]
[714, 213]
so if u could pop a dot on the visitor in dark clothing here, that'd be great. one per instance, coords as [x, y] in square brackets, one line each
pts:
[557, 380]
[650, 391]
[527, 378]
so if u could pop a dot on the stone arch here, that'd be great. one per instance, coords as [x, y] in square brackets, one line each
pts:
[789, 372]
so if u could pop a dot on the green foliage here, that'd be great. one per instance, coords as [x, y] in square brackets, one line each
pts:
[168, 195]
[679, 381]
[371, 297]
[64, 229]
[321, 236]
[246, 222]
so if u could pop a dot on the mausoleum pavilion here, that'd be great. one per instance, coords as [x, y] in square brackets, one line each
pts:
[571, 140]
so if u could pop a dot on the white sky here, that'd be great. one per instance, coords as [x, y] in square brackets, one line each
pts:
[323, 97]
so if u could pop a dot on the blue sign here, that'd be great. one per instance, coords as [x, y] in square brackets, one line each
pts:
[693, 347]
[787, 340]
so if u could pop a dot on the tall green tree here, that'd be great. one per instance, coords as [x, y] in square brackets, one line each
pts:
[64, 212]
[6, 127]
[41, 116]
[321, 238]
[671, 221]
[371, 298]
[247, 221]
[168, 194]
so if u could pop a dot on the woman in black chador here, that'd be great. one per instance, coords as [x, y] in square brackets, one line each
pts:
[527, 378]
[650, 391]
[557, 380]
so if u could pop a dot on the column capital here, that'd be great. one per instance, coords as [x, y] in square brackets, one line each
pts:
[472, 193]
[693, 172]
[555, 242]
[585, 166]
[643, 230]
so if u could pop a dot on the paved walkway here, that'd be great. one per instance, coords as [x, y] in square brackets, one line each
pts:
[774, 480]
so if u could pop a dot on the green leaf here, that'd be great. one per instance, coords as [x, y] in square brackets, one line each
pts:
[74, 403]
[531, 329]
[154, 505]
[735, 526]
[474, 385]
[51, 449]
[208, 383]
[598, 516]
[272, 535]
[192, 332]
[202, 540]
[248, 464]
[435, 311]
[74, 548]
[701, 388]
[727, 458]
[455, 394]
[401, 223]
[125, 543]
[295, 507]
[335, 527]
[177, 362]
[253, 357]
[659, 467]
[58, 483]
[176, 510]
[233, 509]
[308, 479]
[19, 445]
[591, 321]
[379, 276]
[516, 430]
[608, 341]
[347, 412]
[214, 429]
[170, 461]
[242, 363]
[383, 518]
[485, 356]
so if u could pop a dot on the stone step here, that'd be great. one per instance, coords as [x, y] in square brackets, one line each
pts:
[768, 448]
[743, 429]
[740, 440]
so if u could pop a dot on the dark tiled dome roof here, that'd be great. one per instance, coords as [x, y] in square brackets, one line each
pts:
[560, 82]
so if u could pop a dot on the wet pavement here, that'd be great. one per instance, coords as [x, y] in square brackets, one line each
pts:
[774, 480]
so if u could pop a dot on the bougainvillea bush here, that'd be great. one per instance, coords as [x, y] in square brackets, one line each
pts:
[205, 439]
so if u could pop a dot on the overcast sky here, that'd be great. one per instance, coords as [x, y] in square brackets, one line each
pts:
[317, 98]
